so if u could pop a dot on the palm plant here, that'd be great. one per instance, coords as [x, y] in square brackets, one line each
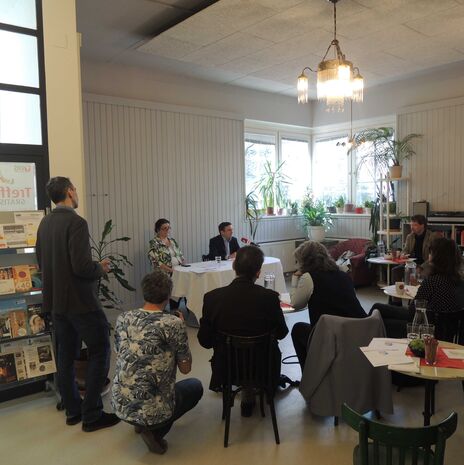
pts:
[272, 185]
[252, 213]
[100, 251]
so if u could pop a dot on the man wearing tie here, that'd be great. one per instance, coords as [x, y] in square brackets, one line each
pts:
[224, 244]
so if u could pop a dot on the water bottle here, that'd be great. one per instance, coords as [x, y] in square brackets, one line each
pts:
[410, 274]
[420, 317]
[381, 248]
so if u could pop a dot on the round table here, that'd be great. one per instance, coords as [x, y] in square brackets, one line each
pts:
[431, 374]
[388, 263]
[195, 281]
[409, 294]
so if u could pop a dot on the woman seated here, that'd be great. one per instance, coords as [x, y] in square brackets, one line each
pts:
[164, 252]
[321, 286]
[442, 289]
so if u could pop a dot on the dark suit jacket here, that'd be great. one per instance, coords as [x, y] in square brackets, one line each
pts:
[243, 309]
[217, 247]
[69, 275]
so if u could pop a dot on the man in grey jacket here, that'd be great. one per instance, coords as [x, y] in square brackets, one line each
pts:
[70, 280]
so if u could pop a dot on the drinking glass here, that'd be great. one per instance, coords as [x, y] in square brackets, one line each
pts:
[412, 331]
[218, 259]
[269, 281]
[426, 331]
[431, 346]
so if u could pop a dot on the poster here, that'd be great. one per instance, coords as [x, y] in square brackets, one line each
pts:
[18, 190]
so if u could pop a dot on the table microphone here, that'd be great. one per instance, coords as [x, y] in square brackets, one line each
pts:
[248, 241]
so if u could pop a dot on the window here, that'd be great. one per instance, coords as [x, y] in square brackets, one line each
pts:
[366, 175]
[269, 150]
[330, 170]
[23, 134]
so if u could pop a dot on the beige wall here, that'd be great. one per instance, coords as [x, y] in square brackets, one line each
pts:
[64, 101]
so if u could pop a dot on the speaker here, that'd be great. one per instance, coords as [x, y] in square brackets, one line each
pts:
[420, 208]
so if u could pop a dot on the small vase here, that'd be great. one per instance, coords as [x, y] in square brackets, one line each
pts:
[359, 210]
[396, 171]
[349, 208]
[270, 211]
[339, 209]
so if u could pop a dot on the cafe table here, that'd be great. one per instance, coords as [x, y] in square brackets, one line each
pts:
[408, 294]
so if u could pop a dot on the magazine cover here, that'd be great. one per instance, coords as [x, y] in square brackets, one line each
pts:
[22, 278]
[31, 221]
[7, 284]
[37, 323]
[18, 323]
[5, 328]
[12, 367]
[39, 358]
[36, 277]
[15, 235]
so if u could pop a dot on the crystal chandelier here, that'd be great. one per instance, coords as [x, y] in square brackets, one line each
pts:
[337, 79]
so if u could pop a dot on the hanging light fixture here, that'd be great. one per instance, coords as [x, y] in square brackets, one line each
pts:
[337, 79]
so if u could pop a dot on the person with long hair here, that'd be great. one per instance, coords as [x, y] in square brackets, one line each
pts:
[443, 289]
[320, 285]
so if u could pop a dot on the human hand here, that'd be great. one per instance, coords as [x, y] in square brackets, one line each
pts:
[179, 314]
[106, 265]
[298, 273]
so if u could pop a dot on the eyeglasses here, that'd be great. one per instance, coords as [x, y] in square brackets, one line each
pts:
[165, 228]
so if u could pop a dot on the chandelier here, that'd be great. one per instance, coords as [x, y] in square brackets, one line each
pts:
[337, 79]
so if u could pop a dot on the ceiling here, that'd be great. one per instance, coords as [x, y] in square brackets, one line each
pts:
[264, 44]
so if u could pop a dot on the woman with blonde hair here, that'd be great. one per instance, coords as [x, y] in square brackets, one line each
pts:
[320, 285]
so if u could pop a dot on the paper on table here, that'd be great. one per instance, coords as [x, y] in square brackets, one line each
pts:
[381, 357]
[387, 343]
[413, 367]
[454, 353]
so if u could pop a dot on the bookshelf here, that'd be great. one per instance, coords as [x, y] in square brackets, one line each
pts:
[27, 353]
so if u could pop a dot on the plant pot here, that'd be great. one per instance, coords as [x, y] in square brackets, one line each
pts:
[359, 210]
[340, 209]
[316, 233]
[332, 209]
[270, 211]
[349, 208]
[280, 211]
[367, 211]
[396, 171]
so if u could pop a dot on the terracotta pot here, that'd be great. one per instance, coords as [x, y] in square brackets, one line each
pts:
[359, 210]
[270, 211]
[396, 171]
[349, 208]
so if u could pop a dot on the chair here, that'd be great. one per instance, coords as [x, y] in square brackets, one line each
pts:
[360, 272]
[398, 445]
[250, 363]
[336, 371]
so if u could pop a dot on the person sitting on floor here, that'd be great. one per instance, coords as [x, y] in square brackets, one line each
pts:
[442, 289]
[151, 346]
[242, 308]
[319, 284]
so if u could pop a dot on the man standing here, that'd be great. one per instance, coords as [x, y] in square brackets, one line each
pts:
[224, 244]
[242, 308]
[70, 280]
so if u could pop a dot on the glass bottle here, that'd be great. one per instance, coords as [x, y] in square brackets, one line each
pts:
[420, 317]
[410, 273]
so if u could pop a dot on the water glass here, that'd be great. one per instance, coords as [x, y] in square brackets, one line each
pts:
[412, 331]
[431, 346]
[218, 259]
[269, 281]
[426, 331]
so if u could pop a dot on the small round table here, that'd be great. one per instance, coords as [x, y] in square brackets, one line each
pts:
[408, 294]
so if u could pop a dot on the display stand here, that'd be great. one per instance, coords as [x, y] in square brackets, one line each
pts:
[27, 354]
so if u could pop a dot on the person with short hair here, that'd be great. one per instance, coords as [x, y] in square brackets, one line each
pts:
[151, 346]
[242, 308]
[224, 244]
[70, 293]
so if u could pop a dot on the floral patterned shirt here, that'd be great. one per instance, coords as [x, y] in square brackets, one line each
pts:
[159, 252]
[148, 347]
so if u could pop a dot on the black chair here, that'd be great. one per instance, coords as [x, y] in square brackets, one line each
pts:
[398, 445]
[249, 363]
[448, 326]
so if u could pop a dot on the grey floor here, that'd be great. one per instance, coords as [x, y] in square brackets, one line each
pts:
[32, 431]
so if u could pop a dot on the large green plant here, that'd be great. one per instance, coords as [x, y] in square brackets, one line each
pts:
[253, 215]
[272, 185]
[315, 212]
[386, 150]
[100, 251]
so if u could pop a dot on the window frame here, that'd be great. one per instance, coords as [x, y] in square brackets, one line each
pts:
[28, 153]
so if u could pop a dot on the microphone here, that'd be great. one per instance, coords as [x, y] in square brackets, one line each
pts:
[247, 241]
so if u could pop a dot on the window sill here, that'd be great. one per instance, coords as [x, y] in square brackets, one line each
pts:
[280, 217]
[350, 215]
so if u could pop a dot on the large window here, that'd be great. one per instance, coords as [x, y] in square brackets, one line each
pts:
[23, 129]
[284, 155]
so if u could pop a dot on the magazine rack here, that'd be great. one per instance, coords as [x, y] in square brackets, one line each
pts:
[26, 345]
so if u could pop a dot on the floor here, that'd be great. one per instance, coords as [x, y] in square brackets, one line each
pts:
[33, 431]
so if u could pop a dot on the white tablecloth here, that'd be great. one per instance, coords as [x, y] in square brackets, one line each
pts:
[195, 281]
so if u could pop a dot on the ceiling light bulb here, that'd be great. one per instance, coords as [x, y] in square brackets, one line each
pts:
[303, 88]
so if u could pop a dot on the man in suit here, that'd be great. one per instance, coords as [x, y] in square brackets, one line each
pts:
[70, 282]
[224, 244]
[242, 308]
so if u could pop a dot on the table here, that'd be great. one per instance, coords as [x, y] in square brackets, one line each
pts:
[195, 281]
[409, 294]
[388, 263]
[430, 375]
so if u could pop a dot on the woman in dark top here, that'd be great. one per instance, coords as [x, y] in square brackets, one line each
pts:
[443, 289]
[321, 286]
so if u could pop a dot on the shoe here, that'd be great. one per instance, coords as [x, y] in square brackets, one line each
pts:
[70, 421]
[247, 408]
[60, 405]
[154, 443]
[138, 429]
[105, 421]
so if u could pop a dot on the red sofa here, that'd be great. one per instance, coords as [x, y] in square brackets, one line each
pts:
[361, 273]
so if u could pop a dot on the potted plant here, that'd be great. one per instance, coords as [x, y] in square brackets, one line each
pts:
[349, 207]
[388, 153]
[368, 206]
[294, 208]
[340, 204]
[316, 217]
[271, 185]
[253, 213]
[359, 209]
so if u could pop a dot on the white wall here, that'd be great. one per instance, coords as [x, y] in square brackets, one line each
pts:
[63, 87]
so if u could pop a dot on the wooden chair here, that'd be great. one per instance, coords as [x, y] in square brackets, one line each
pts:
[250, 363]
[398, 445]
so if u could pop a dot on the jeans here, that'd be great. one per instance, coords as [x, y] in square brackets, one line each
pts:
[188, 392]
[92, 328]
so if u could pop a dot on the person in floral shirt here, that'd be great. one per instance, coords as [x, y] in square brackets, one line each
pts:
[151, 346]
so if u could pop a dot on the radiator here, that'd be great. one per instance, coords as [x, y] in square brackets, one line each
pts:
[282, 250]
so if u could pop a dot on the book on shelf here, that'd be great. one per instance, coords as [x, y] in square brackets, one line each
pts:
[5, 328]
[7, 283]
[13, 236]
[18, 323]
[36, 320]
[22, 278]
[12, 367]
[39, 357]
[36, 277]
[13, 319]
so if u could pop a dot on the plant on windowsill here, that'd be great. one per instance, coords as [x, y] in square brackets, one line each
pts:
[387, 153]
[316, 217]
[340, 204]
[253, 213]
[272, 185]
[368, 206]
